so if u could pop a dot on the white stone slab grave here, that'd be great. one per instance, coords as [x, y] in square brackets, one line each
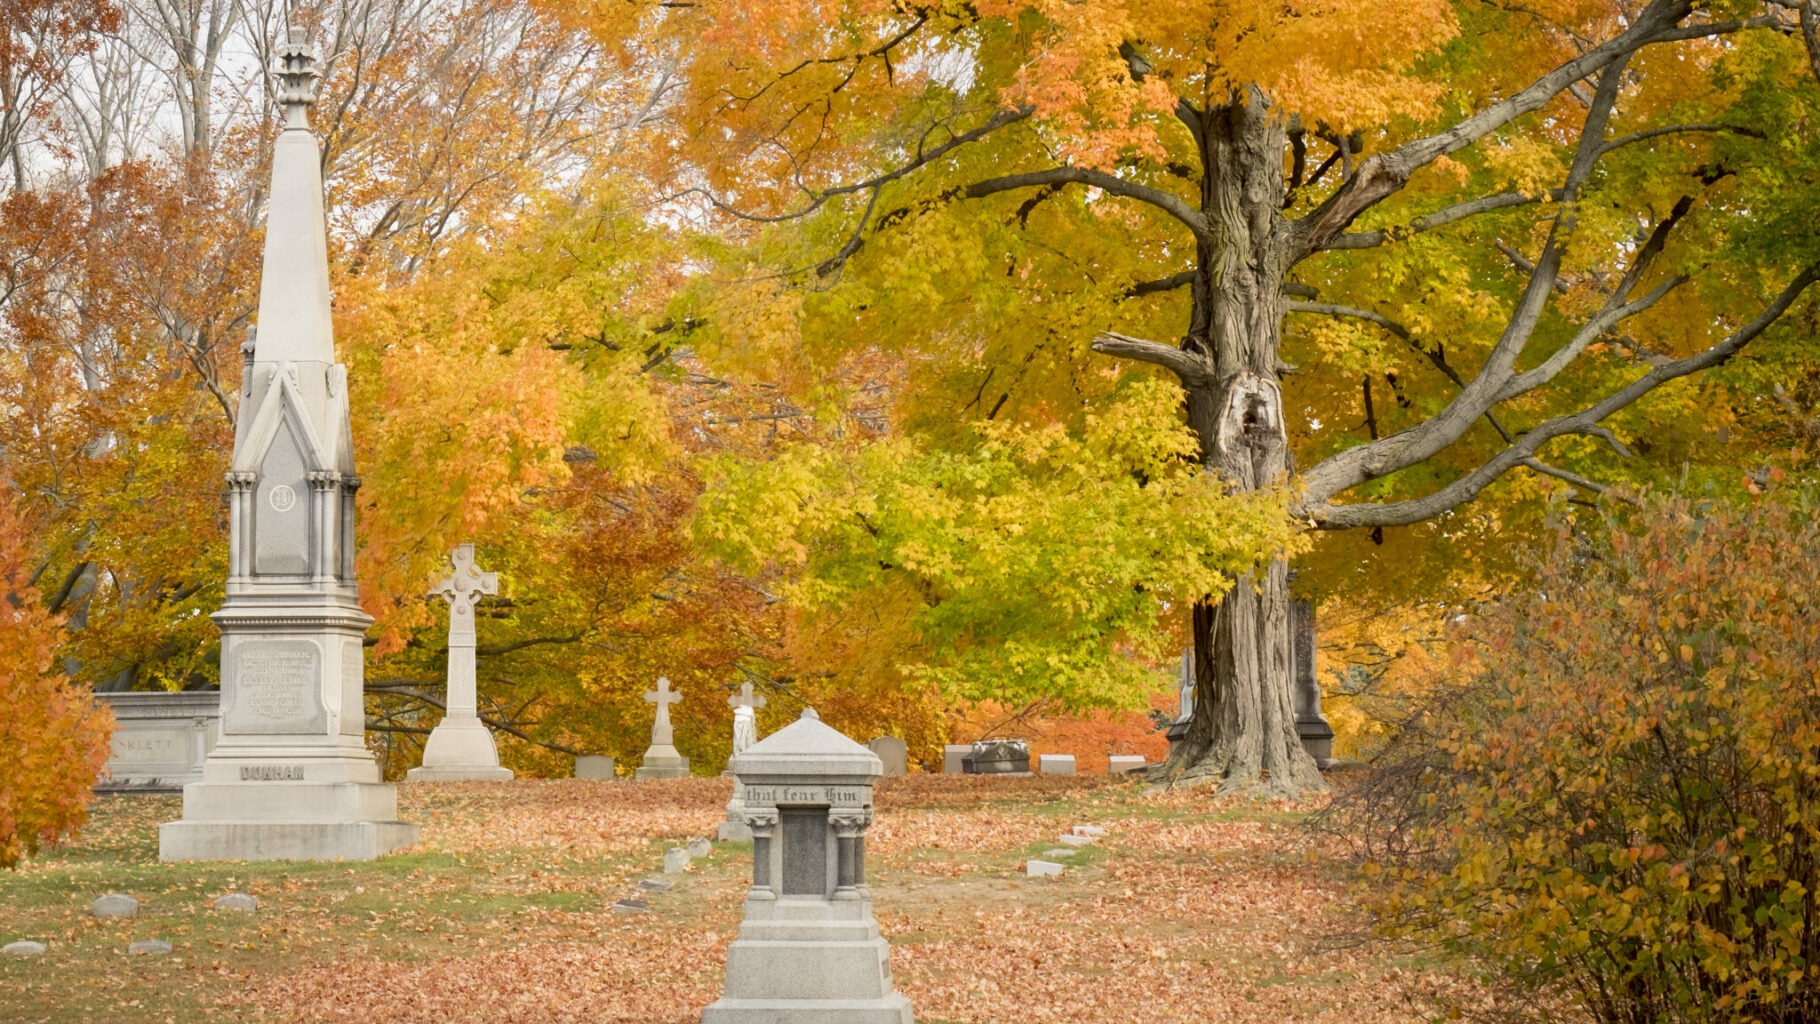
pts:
[460, 749]
[291, 777]
[893, 753]
[953, 756]
[594, 766]
[160, 740]
[1120, 763]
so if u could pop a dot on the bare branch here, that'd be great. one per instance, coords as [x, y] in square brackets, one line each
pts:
[1193, 370]
[1676, 129]
[1356, 465]
[1428, 222]
[1173, 205]
[1383, 175]
[922, 159]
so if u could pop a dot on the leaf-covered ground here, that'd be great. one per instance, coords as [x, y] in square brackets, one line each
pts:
[1188, 910]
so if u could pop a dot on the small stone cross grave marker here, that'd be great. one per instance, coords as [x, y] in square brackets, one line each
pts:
[460, 748]
[662, 761]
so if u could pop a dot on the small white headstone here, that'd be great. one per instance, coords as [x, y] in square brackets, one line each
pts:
[237, 901]
[24, 947]
[952, 755]
[1061, 851]
[675, 859]
[700, 847]
[1125, 763]
[1055, 764]
[116, 904]
[1074, 840]
[594, 766]
[1089, 830]
[149, 947]
[1042, 868]
[893, 753]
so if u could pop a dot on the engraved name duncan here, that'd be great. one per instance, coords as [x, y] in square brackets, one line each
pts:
[278, 689]
[271, 773]
[839, 796]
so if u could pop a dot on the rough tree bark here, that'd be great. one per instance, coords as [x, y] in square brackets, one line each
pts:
[1243, 735]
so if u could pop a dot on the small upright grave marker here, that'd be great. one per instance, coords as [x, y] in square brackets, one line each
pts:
[745, 733]
[594, 766]
[893, 753]
[460, 748]
[662, 761]
[954, 757]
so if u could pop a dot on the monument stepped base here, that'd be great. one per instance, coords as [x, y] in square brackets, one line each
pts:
[282, 840]
[299, 821]
[475, 774]
[892, 1009]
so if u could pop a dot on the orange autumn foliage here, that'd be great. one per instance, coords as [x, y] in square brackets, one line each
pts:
[1093, 737]
[53, 737]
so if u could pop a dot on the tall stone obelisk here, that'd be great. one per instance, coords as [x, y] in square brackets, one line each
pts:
[291, 777]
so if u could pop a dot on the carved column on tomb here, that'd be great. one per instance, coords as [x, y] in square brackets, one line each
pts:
[763, 825]
[850, 838]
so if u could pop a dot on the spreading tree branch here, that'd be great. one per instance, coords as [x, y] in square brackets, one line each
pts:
[1586, 421]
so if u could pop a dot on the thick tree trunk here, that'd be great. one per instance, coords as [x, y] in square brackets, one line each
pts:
[1243, 733]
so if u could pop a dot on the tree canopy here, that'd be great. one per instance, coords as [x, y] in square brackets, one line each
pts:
[905, 358]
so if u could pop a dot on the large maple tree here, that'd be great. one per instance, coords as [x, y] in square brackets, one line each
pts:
[1397, 252]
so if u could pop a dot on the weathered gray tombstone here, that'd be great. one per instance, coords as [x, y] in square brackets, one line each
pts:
[1119, 763]
[1042, 868]
[115, 904]
[745, 706]
[291, 777]
[1055, 764]
[1310, 724]
[24, 947]
[808, 949]
[149, 947]
[160, 740]
[594, 766]
[239, 902]
[893, 753]
[662, 761]
[675, 859]
[954, 758]
[460, 749]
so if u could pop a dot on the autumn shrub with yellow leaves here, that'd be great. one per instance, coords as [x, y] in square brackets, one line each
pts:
[1620, 805]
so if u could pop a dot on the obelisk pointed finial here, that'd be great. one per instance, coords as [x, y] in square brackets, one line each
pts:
[295, 68]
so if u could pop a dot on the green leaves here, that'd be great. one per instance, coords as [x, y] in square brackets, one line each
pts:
[1037, 561]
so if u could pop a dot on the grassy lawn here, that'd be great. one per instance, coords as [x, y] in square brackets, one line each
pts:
[1188, 910]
